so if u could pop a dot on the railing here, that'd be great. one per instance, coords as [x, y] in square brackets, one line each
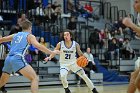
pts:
[122, 13]
[107, 9]
[114, 13]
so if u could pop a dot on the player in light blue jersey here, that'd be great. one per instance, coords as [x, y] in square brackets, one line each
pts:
[135, 76]
[15, 59]
[68, 48]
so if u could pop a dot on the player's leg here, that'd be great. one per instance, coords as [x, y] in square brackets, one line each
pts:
[4, 79]
[6, 71]
[132, 86]
[78, 70]
[29, 73]
[63, 76]
[1, 66]
[137, 81]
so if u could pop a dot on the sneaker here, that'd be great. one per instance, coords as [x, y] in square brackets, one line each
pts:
[16, 74]
[95, 91]
[11, 75]
[4, 91]
[78, 83]
[67, 90]
[91, 71]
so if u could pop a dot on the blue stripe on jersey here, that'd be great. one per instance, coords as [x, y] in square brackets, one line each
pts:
[19, 44]
[63, 68]
[66, 46]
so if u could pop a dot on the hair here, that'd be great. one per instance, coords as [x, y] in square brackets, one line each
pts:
[40, 39]
[67, 30]
[26, 24]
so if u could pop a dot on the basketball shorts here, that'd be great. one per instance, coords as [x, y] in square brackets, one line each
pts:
[14, 63]
[73, 67]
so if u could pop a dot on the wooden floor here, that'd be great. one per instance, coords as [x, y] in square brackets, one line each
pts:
[74, 89]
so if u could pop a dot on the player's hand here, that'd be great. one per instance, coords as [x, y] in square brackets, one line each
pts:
[127, 22]
[46, 60]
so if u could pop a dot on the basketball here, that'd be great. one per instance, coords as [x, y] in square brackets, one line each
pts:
[82, 61]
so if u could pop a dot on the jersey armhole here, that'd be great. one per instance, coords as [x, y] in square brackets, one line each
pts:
[60, 45]
[27, 38]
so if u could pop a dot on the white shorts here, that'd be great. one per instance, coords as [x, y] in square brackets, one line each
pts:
[65, 69]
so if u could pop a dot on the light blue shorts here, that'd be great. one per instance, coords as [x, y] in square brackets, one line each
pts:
[14, 63]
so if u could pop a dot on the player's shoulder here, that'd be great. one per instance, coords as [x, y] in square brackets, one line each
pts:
[76, 43]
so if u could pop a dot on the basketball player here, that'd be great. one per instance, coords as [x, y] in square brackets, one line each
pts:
[135, 76]
[15, 59]
[68, 48]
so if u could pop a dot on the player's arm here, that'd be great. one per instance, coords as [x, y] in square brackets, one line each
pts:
[80, 53]
[6, 38]
[135, 29]
[32, 40]
[128, 22]
[51, 56]
[56, 48]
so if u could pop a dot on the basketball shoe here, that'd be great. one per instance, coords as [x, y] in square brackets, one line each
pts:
[95, 91]
[67, 90]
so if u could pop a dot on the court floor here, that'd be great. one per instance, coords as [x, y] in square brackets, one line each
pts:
[74, 89]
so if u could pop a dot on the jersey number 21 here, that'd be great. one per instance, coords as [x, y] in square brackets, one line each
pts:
[67, 56]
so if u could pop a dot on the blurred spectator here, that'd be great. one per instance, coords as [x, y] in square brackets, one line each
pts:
[49, 13]
[33, 51]
[72, 26]
[88, 8]
[39, 10]
[21, 19]
[28, 57]
[15, 29]
[39, 15]
[58, 10]
[115, 26]
[90, 68]
[57, 13]
[80, 8]
[102, 37]
[127, 50]
[70, 6]
[108, 37]
[42, 55]
[113, 49]
[94, 39]
[91, 64]
[54, 5]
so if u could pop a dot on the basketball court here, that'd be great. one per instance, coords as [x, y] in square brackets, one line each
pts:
[74, 89]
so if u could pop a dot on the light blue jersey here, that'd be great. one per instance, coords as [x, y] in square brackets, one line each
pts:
[15, 60]
[19, 44]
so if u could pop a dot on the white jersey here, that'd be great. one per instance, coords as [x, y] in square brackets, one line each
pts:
[138, 23]
[137, 62]
[68, 55]
[138, 19]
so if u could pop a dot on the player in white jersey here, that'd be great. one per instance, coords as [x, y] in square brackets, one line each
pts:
[135, 76]
[68, 48]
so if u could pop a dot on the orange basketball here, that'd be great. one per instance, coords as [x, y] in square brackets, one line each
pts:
[82, 61]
